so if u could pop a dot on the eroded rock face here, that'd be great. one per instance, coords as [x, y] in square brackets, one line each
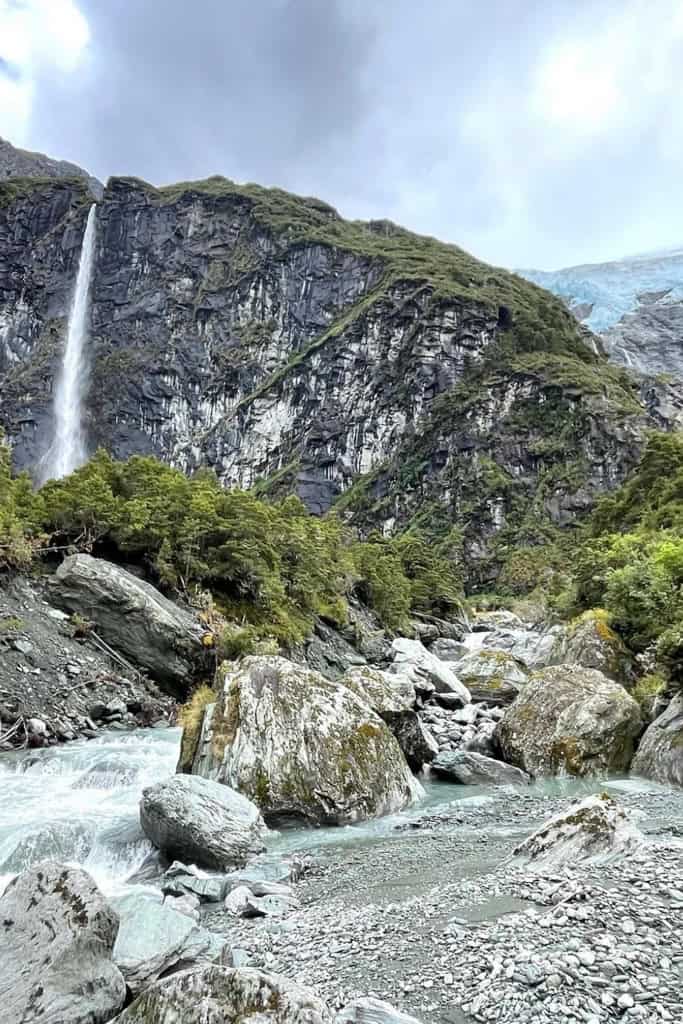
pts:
[261, 335]
[573, 719]
[133, 618]
[492, 676]
[660, 752]
[412, 659]
[56, 949]
[472, 769]
[218, 995]
[393, 698]
[200, 822]
[597, 828]
[301, 746]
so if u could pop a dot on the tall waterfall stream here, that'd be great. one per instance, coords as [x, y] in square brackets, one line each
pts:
[68, 450]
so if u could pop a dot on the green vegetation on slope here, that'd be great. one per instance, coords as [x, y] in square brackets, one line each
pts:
[13, 189]
[270, 567]
[537, 320]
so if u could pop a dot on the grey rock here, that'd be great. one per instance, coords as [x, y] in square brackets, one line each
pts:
[393, 698]
[372, 1011]
[197, 820]
[448, 650]
[216, 994]
[492, 676]
[155, 937]
[134, 618]
[472, 769]
[412, 659]
[181, 879]
[56, 947]
[573, 719]
[187, 904]
[305, 747]
[483, 622]
[596, 828]
[589, 641]
[660, 752]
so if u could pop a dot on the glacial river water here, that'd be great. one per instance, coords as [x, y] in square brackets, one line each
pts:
[79, 803]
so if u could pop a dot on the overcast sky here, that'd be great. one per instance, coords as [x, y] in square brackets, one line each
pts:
[533, 132]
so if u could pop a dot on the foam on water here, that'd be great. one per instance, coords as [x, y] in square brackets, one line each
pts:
[80, 803]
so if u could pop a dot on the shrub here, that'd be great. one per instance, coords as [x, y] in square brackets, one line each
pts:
[191, 717]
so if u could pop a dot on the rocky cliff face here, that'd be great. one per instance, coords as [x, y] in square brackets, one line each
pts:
[261, 335]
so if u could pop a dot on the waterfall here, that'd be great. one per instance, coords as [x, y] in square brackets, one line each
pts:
[68, 450]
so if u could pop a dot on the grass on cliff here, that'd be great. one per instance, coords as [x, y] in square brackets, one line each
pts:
[14, 189]
[537, 319]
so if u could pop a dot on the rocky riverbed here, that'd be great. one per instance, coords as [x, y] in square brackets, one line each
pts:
[437, 918]
[427, 908]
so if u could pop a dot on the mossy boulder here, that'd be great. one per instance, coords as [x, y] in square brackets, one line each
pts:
[492, 676]
[590, 640]
[303, 747]
[570, 719]
[595, 829]
[214, 993]
[393, 698]
[660, 753]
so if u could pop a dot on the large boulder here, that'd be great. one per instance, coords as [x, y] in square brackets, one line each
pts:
[372, 1011]
[154, 938]
[198, 821]
[471, 769]
[596, 829]
[56, 945]
[570, 718]
[660, 753]
[412, 659]
[483, 622]
[225, 995]
[492, 676]
[533, 648]
[133, 618]
[304, 747]
[589, 641]
[393, 698]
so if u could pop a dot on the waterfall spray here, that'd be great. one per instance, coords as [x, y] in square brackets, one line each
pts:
[68, 449]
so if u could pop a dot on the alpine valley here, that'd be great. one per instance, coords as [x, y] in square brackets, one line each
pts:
[341, 618]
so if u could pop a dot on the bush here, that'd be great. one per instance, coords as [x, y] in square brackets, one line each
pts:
[191, 717]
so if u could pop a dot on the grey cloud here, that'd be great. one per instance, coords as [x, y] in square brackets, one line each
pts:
[381, 107]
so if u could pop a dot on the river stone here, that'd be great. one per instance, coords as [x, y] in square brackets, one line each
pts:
[589, 641]
[483, 622]
[304, 747]
[55, 949]
[225, 995]
[193, 819]
[660, 753]
[153, 938]
[412, 659]
[596, 829]
[492, 676]
[136, 620]
[570, 718]
[184, 880]
[448, 650]
[372, 1011]
[472, 769]
[393, 698]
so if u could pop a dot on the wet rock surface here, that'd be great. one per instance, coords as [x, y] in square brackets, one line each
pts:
[660, 751]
